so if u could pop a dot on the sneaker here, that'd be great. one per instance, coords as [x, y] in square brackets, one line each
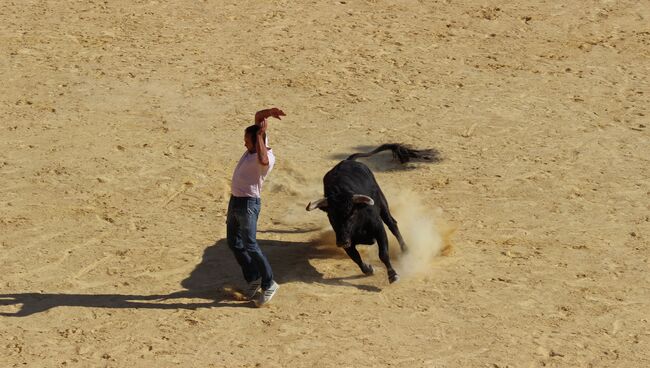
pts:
[253, 288]
[268, 294]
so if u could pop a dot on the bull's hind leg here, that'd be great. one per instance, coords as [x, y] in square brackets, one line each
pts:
[382, 243]
[356, 257]
[392, 224]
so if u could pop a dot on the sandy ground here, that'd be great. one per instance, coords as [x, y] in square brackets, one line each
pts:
[122, 122]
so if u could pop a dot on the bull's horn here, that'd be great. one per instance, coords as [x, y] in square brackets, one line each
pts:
[321, 203]
[360, 198]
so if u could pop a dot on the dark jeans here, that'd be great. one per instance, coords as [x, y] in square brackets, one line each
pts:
[241, 233]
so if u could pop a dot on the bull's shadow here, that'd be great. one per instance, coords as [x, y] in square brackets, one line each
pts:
[212, 282]
[385, 161]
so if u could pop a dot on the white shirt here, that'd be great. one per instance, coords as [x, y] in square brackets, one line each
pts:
[249, 175]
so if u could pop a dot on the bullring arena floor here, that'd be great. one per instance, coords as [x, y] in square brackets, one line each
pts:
[122, 122]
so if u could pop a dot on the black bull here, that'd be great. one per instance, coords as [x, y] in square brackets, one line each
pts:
[356, 206]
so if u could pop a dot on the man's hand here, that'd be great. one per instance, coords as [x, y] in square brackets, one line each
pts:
[276, 113]
[262, 115]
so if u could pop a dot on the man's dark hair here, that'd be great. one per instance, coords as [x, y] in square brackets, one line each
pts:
[252, 132]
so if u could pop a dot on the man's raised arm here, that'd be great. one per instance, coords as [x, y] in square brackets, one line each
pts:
[260, 120]
[260, 144]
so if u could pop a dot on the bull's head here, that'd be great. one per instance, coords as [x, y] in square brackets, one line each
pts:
[342, 211]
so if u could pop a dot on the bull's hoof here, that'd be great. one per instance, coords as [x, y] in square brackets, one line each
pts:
[368, 270]
[393, 278]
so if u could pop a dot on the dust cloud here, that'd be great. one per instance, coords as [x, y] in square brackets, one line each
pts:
[423, 228]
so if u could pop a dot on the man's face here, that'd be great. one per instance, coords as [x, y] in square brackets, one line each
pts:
[248, 142]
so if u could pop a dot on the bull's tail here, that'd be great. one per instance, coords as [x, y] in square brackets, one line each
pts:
[403, 153]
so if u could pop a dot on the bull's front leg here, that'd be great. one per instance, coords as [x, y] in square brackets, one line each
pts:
[382, 244]
[356, 257]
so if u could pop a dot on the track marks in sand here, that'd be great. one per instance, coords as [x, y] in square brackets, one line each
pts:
[294, 187]
[67, 253]
[90, 267]
[40, 240]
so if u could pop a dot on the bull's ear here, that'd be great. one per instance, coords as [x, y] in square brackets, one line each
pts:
[320, 203]
[360, 198]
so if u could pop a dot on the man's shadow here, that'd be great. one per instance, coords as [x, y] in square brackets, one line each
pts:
[209, 285]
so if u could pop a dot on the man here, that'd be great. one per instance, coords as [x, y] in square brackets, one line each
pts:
[244, 208]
